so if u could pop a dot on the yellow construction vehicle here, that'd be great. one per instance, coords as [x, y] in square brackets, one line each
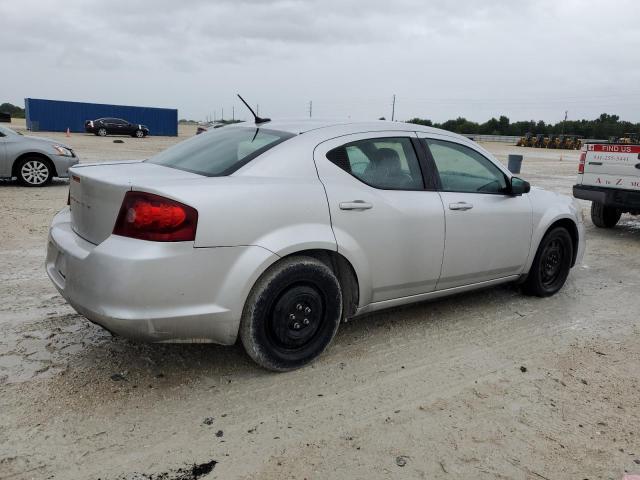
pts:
[538, 141]
[578, 143]
[552, 142]
[524, 141]
[569, 142]
[629, 139]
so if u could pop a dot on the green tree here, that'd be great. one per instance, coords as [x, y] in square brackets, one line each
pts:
[14, 110]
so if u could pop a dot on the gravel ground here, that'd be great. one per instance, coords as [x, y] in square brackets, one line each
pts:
[486, 385]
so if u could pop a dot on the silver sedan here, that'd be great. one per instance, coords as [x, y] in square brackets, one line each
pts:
[276, 232]
[34, 161]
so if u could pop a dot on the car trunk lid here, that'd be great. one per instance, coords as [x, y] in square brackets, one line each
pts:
[96, 192]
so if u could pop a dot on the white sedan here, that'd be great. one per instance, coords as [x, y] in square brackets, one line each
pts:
[276, 232]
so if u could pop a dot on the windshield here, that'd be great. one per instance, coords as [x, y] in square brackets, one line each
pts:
[7, 131]
[220, 152]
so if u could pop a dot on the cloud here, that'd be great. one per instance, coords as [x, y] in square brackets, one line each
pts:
[441, 58]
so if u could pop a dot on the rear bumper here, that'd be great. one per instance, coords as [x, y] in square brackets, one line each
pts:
[153, 291]
[611, 197]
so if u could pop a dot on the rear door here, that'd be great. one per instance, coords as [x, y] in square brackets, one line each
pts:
[612, 166]
[488, 231]
[386, 219]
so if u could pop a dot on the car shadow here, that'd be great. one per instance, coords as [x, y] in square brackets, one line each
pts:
[164, 366]
[13, 182]
[628, 228]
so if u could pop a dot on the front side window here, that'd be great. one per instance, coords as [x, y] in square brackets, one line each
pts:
[462, 169]
[220, 152]
[387, 163]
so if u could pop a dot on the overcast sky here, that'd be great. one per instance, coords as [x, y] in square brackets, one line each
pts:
[477, 59]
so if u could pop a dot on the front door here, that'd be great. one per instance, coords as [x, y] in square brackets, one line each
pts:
[385, 219]
[488, 230]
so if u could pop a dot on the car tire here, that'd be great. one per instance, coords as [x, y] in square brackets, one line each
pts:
[34, 172]
[138, 133]
[102, 132]
[603, 216]
[551, 265]
[292, 314]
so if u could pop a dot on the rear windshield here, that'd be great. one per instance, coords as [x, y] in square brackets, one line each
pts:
[220, 152]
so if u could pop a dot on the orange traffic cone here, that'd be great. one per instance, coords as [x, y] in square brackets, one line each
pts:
[68, 134]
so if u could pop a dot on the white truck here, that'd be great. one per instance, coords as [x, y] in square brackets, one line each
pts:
[609, 176]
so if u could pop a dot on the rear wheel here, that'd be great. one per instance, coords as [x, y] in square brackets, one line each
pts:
[551, 264]
[292, 314]
[34, 172]
[603, 216]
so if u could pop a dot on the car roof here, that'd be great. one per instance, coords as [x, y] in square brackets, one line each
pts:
[300, 126]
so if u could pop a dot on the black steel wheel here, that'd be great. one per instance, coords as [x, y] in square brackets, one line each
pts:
[551, 264]
[292, 314]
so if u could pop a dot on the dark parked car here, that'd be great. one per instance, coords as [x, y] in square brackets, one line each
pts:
[115, 126]
[5, 117]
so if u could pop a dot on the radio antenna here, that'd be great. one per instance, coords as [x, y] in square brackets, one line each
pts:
[257, 119]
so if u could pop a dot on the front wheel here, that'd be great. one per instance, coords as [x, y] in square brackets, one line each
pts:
[102, 132]
[551, 264]
[139, 133]
[292, 314]
[34, 172]
[603, 216]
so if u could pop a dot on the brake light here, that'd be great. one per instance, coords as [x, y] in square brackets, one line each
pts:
[146, 216]
[583, 157]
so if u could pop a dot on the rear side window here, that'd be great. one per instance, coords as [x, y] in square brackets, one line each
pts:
[220, 152]
[462, 169]
[386, 163]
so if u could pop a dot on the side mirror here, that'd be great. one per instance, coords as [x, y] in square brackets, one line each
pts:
[519, 186]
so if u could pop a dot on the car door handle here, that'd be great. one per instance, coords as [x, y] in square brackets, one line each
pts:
[460, 206]
[355, 205]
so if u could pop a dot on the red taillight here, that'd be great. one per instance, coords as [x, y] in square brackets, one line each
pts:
[583, 156]
[151, 217]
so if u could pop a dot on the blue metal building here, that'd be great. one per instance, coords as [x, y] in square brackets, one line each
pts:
[57, 116]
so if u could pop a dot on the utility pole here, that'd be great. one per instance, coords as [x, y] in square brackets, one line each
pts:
[233, 113]
[310, 108]
[222, 118]
[214, 115]
[566, 112]
[393, 107]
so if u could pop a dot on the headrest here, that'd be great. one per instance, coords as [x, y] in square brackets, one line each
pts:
[388, 159]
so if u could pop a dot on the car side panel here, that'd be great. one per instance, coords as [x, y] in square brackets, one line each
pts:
[5, 167]
[278, 214]
[548, 208]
